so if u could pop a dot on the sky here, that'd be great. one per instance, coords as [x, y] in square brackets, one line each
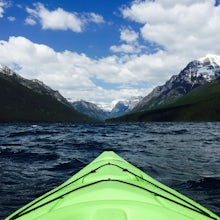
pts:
[106, 50]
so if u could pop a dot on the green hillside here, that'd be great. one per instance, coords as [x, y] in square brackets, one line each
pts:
[20, 104]
[202, 104]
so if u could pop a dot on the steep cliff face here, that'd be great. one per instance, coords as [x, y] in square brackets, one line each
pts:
[195, 74]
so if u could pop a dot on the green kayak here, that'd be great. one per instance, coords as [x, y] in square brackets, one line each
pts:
[110, 188]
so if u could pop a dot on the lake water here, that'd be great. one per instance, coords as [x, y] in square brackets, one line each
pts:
[37, 158]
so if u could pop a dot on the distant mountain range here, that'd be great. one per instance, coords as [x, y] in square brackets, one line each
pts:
[195, 74]
[23, 100]
[124, 107]
[92, 110]
[201, 104]
[192, 95]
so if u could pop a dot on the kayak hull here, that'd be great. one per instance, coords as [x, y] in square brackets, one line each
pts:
[111, 188]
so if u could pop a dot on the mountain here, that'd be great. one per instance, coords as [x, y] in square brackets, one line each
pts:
[90, 109]
[119, 109]
[201, 104]
[124, 107]
[35, 85]
[195, 74]
[23, 100]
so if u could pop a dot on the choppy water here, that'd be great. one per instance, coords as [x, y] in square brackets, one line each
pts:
[36, 158]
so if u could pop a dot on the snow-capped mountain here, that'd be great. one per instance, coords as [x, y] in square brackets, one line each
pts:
[90, 109]
[94, 111]
[209, 67]
[123, 107]
[119, 109]
[195, 74]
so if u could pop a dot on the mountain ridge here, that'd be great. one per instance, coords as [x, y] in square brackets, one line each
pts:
[124, 106]
[90, 109]
[201, 104]
[25, 100]
[93, 110]
[196, 73]
[34, 84]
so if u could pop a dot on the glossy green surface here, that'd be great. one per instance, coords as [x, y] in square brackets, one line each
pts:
[110, 188]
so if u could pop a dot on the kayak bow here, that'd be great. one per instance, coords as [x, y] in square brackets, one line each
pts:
[110, 188]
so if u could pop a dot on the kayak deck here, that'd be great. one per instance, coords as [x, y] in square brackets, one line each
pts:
[111, 188]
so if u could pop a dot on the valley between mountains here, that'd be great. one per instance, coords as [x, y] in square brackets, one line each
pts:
[191, 95]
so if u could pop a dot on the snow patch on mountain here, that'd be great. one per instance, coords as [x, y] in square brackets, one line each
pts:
[209, 67]
[90, 109]
[124, 106]
[195, 74]
[214, 60]
[7, 71]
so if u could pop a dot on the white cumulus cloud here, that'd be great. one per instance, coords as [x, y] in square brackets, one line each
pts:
[3, 5]
[185, 28]
[73, 74]
[130, 43]
[11, 18]
[181, 31]
[30, 21]
[128, 35]
[125, 48]
[60, 19]
[93, 17]
[55, 20]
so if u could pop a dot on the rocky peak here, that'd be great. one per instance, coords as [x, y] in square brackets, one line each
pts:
[119, 107]
[8, 72]
[196, 73]
[210, 59]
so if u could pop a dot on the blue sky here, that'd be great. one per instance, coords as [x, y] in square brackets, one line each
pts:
[106, 50]
[95, 38]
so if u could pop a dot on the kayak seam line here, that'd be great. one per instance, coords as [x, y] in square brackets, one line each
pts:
[19, 214]
[23, 212]
[182, 199]
[111, 180]
[164, 197]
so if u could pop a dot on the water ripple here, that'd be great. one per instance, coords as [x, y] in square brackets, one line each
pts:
[184, 156]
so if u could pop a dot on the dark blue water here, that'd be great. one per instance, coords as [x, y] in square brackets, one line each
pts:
[36, 158]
